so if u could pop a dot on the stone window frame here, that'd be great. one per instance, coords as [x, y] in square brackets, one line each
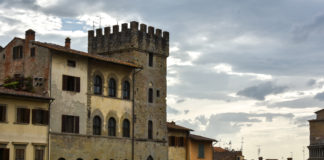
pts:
[150, 129]
[19, 145]
[39, 146]
[128, 117]
[129, 80]
[112, 114]
[98, 113]
[93, 75]
[118, 88]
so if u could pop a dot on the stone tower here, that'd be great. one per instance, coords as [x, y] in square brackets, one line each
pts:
[150, 49]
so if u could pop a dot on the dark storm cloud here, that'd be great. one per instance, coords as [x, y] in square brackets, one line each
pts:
[259, 91]
[319, 96]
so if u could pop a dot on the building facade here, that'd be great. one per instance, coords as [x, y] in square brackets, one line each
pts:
[316, 138]
[186, 146]
[109, 103]
[23, 125]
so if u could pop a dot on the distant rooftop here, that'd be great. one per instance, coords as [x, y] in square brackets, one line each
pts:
[173, 125]
[11, 92]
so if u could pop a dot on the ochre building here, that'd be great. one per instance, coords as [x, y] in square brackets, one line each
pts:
[316, 138]
[110, 102]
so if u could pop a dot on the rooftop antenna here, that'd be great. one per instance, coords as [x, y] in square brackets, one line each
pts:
[242, 142]
[230, 145]
[259, 150]
[93, 26]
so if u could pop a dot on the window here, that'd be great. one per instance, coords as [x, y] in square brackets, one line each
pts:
[157, 93]
[126, 128]
[79, 159]
[71, 83]
[111, 127]
[3, 56]
[20, 154]
[112, 87]
[39, 154]
[17, 52]
[23, 115]
[3, 113]
[32, 52]
[150, 59]
[70, 124]
[172, 141]
[126, 90]
[39, 116]
[150, 95]
[61, 159]
[96, 125]
[97, 87]
[150, 130]
[201, 153]
[149, 158]
[71, 63]
[181, 142]
[4, 153]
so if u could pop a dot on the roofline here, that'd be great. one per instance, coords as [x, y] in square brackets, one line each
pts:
[319, 111]
[206, 138]
[26, 96]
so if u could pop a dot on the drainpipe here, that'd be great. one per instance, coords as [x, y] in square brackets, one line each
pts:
[133, 113]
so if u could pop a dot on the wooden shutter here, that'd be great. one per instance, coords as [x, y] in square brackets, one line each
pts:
[65, 82]
[76, 124]
[176, 141]
[45, 117]
[77, 84]
[63, 123]
[5, 154]
[26, 115]
[34, 112]
[3, 113]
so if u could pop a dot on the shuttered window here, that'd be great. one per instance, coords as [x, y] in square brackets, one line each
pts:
[201, 151]
[181, 141]
[17, 52]
[3, 113]
[23, 115]
[39, 116]
[71, 83]
[70, 124]
[172, 140]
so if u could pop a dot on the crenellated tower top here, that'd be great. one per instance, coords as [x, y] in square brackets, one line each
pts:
[143, 38]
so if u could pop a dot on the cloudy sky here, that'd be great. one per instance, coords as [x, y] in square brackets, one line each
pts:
[238, 69]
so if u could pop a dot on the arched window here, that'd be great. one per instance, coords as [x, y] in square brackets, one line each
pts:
[61, 159]
[149, 158]
[79, 159]
[112, 87]
[150, 95]
[96, 125]
[126, 90]
[126, 128]
[97, 87]
[111, 127]
[150, 130]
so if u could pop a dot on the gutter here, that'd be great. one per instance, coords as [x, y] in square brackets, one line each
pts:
[133, 113]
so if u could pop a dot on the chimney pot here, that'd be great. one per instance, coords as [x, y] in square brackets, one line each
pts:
[67, 42]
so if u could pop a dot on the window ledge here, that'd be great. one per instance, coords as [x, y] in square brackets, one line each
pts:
[4, 122]
[21, 123]
[39, 124]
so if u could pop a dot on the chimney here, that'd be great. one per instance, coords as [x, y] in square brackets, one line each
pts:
[260, 158]
[30, 35]
[67, 42]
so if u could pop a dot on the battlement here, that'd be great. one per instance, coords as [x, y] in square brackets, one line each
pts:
[136, 36]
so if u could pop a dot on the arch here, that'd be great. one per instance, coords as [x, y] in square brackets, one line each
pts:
[112, 87]
[150, 130]
[149, 158]
[79, 159]
[61, 158]
[97, 85]
[112, 127]
[96, 126]
[126, 89]
[126, 128]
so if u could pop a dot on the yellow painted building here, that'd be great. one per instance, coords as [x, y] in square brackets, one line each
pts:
[186, 146]
[23, 125]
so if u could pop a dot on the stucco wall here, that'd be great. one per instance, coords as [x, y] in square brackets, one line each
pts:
[68, 102]
[316, 132]
[26, 134]
[177, 152]
[193, 147]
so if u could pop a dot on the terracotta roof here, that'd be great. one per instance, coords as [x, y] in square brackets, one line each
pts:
[80, 53]
[200, 138]
[172, 125]
[11, 92]
[219, 149]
